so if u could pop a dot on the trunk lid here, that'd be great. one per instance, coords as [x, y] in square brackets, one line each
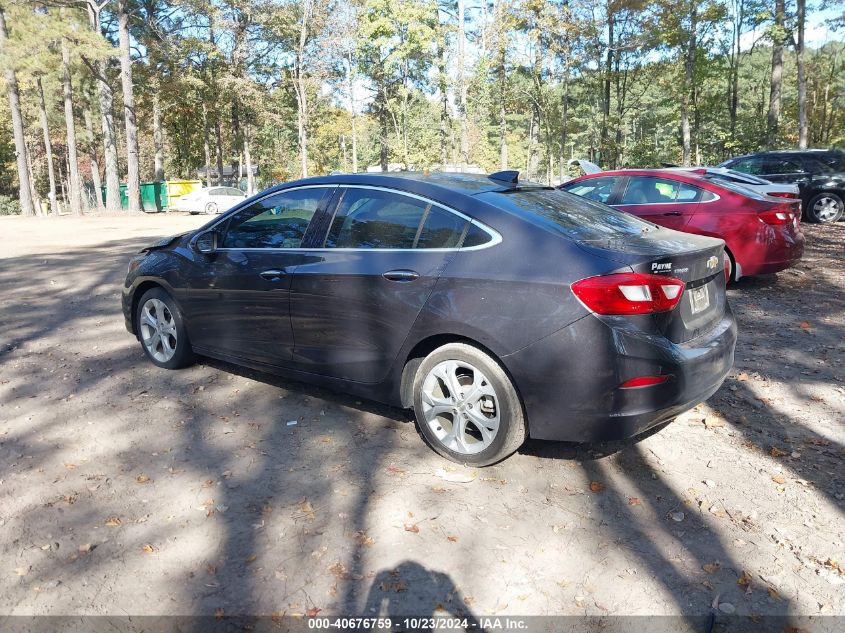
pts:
[696, 260]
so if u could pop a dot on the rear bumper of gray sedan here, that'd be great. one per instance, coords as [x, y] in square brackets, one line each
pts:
[570, 381]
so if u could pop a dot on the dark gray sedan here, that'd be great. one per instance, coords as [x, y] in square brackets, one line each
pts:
[496, 309]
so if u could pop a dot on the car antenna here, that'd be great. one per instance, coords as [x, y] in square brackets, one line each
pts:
[510, 176]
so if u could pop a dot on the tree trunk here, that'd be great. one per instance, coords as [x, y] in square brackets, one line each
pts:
[74, 183]
[608, 72]
[802, 79]
[36, 202]
[133, 182]
[219, 149]
[299, 85]
[106, 98]
[462, 84]
[351, 89]
[48, 148]
[443, 87]
[503, 87]
[689, 68]
[250, 179]
[24, 188]
[564, 119]
[381, 99]
[158, 136]
[773, 118]
[206, 146]
[95, 164]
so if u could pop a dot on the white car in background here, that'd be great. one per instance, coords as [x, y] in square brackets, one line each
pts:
[209, 200]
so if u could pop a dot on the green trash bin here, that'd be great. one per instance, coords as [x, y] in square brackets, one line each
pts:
[154, 196]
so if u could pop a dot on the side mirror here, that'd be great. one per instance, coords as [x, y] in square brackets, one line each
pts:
[206, 242]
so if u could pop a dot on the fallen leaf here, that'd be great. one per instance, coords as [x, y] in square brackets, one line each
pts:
[113, 521]
[267, 508]
[742, 377]
[776, 452]
[86, 548]
[338, 570]
[457, 478]
[22, 571]
[312, 612]
[634, 501]
[393, 469]
[712, 568]
[779, 479]
[142, 479]
[251, 559]
[148, 549]
[70, 466]
[438, 489]
[364, 540]
[219, 613]
[412, 527]
[773, 593]
[306, 509]
[469, 600]
[211, 569]
[744, 581]
[452, 539]
[711, 422]
[805, 325]
[597, 486]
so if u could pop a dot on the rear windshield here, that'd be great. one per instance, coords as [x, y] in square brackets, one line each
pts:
[748, 192]
[576, 217]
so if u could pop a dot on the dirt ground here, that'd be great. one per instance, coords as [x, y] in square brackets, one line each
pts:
[130, 490]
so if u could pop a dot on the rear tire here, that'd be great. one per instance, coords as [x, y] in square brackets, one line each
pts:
[161, 330]
[211, 208]
[825, 207]
[466, 406]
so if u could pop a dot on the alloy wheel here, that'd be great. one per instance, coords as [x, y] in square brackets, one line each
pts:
[158, 330]
[826, 208]
[460, 407]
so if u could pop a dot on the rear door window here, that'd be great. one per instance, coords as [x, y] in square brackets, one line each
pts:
[779, 166]
[598, 189]
[377, 219]
[647, 190]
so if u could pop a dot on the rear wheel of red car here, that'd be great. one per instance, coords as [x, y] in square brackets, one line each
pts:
[466, 406]
[825, 207]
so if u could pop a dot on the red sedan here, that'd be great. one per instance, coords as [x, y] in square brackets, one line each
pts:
[762, 234]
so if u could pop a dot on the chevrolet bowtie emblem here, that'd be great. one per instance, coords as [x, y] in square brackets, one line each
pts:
[712, 262]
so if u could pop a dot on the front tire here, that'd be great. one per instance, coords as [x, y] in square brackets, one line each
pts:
[466, 406]
[211, 208]
[825, 207]
[161, 330]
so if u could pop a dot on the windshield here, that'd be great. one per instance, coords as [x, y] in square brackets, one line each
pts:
[740, 189]
[576, 217]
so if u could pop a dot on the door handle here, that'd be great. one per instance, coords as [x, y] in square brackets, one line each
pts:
[272, 275]
[401, 275]
[673, 213]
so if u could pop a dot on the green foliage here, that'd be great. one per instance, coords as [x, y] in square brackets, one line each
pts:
[9, 205]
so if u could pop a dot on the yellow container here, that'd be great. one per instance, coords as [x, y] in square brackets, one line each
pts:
[178, 188]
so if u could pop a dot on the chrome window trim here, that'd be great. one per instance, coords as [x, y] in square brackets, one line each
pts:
[495, 236]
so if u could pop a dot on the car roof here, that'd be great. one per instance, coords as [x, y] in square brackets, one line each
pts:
[678, 174]
[424, 183]
[787, 152]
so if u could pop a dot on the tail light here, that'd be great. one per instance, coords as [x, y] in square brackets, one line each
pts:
[784, 194]
[629, 293]
[776, 217]
[643, 381]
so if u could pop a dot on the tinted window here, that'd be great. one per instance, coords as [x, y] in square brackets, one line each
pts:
[641, 190]
[707, 196]
[749, 166]
[215, 192]
[441, 229]
[598, 189]
[231, 191]
[369, 218]
[689, 193]
[576, 217]
[835, 161]
[782, 166]
[476, 236]
[278, 221]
